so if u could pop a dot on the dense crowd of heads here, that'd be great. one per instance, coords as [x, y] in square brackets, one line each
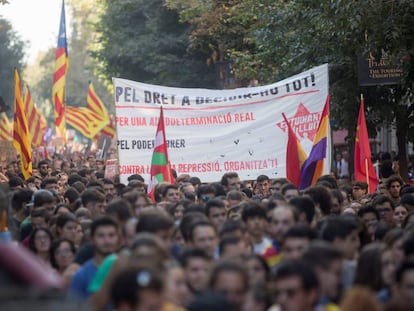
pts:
[228, 245]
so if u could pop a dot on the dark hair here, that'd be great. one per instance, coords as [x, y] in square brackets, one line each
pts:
[15, 181]
[189, 253]
[392, 179]
[228, 266]
[227, 175]
[408, 245]
[287, 187]
[304, 205]
[21, 196]
[127, 284]
[262, 261]
[107, 181]
[253, 209]
[79, 186]
[41, 197]
[194, 181]
[213, 203]
[32, 237]
[71, 194]
[329, 179]
[322, 196]
[187, 221]
[368, 272]
[406, 265]
[42, 162]
[321, 254]
[168, 187]
[235, 195]
[361, 184]
[368, 209]
[153, 221]
[392, 236]
[102, 221]
[262, 178]
[300, 231]
[228, 241]
[218, 189]
[150, 240]
[63, 219]
[205, 189]
[338, 227]
[231, 226]
[120, 209]
[381, 199]
[72, 178]
[55, 245]
[199, 223]
[48, 181]
[338, 195]
[92, 195]
[407, 198]
[184, 203]
[210, 300]
[297, 269]
[135, 177]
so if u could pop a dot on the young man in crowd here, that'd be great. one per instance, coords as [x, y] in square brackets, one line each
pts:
[105, 239]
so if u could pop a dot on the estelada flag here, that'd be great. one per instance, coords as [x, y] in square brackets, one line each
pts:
[295, 156]
[363, 168]
[21, 135]
[160, 166]
[59, 76]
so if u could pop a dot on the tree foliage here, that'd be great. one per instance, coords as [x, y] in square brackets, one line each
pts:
[144, 41]
[286, 37]
[11, 55]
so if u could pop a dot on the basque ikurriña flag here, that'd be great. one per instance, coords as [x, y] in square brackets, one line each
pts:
[363, 168]
[295, 156]
[313, 168]
[160, 166]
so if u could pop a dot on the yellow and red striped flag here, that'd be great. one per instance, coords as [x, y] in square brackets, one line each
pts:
[85, 121]
[36, 121]
[59, 77]
[96, 105]
[6, 128]
[21, 135]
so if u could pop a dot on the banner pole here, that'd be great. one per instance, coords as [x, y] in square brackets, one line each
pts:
[366, 173]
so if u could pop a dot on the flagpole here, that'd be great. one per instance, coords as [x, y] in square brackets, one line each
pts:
[366, 173]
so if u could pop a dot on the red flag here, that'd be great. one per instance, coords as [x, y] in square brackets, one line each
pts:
[295, 156]
[363, 168]
[160, 166]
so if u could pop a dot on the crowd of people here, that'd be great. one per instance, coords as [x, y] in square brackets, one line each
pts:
[231, 245]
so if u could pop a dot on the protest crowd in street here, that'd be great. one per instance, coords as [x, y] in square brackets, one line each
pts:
[231, 245]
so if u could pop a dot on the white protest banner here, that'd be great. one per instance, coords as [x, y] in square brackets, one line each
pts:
[210, 132]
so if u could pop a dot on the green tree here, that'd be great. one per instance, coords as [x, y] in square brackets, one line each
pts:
[287, 37]
[144, 41]
[11, 56]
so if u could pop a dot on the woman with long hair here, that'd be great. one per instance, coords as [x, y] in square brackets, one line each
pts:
[40, 242]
